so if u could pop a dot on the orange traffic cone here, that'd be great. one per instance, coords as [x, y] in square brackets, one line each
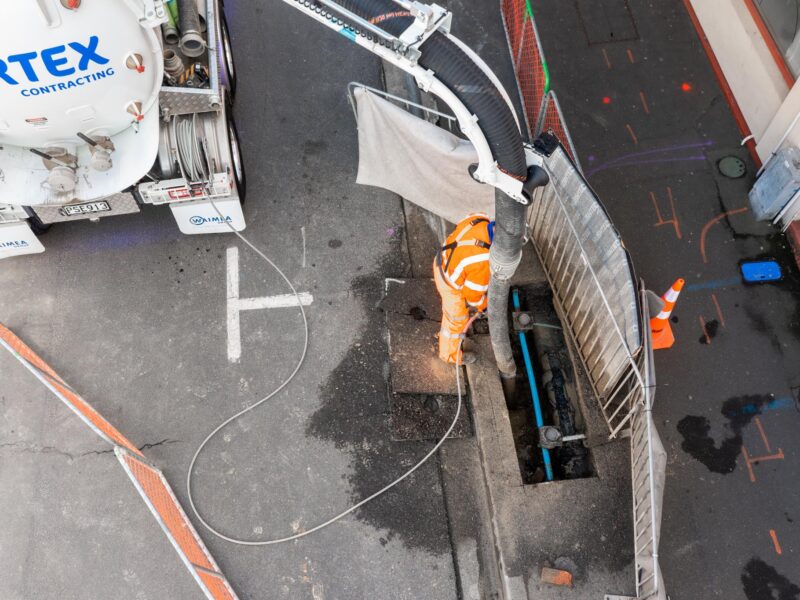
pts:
[659, 325]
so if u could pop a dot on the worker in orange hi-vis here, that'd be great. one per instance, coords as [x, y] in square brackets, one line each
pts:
[461, 271]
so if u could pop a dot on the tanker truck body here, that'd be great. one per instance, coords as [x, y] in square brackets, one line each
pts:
[108, 105]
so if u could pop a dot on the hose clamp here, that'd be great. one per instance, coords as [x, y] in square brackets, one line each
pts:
[428, 18]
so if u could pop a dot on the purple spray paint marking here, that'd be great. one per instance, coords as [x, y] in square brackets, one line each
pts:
[640, 158]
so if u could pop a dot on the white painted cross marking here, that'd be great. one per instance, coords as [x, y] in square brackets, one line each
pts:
[236, 305]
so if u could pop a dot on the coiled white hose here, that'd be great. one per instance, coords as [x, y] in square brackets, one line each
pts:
[286, 382]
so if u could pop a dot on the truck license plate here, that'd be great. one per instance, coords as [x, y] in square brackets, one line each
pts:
[83, 209]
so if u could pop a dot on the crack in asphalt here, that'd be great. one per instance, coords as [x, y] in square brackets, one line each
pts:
[36, 449]
[26, 447]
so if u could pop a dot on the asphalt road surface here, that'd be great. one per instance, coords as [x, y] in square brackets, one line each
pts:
[650, 124]
[133, 315]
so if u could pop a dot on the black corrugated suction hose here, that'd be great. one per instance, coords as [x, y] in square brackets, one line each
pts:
[463, 77]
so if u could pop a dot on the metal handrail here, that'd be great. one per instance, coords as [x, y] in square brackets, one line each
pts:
[353, 85]
[646, 518]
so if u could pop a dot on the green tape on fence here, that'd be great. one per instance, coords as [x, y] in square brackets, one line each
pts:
[529, 15]
[546, 77]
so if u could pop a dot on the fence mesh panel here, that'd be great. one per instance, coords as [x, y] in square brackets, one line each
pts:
[526, 53]
[34, 363]
[148, 480]
[157, 494]
[553, 121]
[542, 110]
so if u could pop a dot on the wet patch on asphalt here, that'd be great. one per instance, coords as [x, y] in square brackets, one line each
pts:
[699, 444]
[776, 247]
[761, 581]
[355, 416]
[710, 332]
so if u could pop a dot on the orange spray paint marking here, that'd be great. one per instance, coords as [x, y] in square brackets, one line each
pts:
[674, 216]
[644, 103]
[705, 330]
[674, 220]
[749, 461]
[633, 135]
[775, 541]
[748, 465]
[630, 56]
[605, 56]
[719, 310]
[713, 222]
[763, 434]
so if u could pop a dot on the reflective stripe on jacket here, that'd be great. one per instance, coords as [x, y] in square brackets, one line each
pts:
[464, 260]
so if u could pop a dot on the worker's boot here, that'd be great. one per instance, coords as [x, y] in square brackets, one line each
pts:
[468, 358]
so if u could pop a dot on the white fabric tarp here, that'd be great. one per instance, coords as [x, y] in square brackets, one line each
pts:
[419, 161]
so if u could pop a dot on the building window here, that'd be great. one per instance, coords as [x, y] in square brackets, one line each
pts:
[782, 18]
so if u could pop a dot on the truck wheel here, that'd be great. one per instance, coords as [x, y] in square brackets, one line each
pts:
[227, 56]
[37, 226]
[237, 164]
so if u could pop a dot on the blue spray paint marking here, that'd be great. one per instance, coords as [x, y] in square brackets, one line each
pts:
[119, 240]
[774, 404]
[713, 285]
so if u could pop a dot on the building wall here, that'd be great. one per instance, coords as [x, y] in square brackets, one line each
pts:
[782, 120]
[751, 71]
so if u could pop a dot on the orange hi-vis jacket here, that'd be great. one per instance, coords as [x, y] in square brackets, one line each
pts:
[463, 261]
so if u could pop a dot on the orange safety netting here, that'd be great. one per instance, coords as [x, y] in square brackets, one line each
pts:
[528, 59]
[217, 586]
[542, 111]
[553, 122]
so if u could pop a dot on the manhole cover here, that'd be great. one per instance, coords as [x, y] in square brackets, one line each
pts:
[732, 167]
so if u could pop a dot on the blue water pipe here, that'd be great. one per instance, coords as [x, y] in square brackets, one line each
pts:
[537, 406]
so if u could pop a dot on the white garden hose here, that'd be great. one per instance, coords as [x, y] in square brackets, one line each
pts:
[286, 382]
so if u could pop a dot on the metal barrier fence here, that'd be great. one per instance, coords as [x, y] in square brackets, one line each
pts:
[148, 480]
[593, 282]
[165, 508]
[52, 381]
[648, 472]
[553, 122]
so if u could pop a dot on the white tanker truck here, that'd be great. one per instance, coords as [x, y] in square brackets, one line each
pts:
[111, 104]
[107, 105]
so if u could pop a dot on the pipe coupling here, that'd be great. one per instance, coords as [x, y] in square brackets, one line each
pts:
[503, 266]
